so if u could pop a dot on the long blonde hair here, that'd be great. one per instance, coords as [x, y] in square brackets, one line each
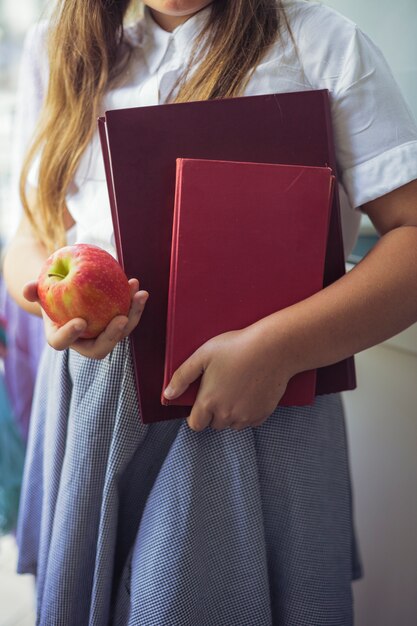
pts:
[87, 52]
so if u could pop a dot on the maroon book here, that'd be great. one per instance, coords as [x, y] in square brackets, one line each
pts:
[248, 239]
[140, 147]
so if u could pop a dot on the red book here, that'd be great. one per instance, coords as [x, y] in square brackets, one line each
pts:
[140, 147]
[248, 239]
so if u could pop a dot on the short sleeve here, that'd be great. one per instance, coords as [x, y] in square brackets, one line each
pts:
[375, 134]
[31, 89]
[374, 131]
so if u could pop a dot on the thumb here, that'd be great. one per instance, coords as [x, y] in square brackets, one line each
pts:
[182, 378]
[30, 291]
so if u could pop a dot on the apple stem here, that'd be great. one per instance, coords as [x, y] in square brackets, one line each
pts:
[56, 275]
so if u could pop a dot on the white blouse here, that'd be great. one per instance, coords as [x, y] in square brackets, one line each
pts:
[375, 134]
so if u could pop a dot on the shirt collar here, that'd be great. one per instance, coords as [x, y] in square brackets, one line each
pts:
[156, 40]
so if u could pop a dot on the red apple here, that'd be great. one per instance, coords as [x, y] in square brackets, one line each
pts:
[83, 281]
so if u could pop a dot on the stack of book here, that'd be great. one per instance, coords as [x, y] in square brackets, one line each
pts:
[227, 211]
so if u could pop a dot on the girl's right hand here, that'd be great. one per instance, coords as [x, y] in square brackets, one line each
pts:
[68, 335]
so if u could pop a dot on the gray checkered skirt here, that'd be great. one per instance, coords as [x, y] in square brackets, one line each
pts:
[157, 525]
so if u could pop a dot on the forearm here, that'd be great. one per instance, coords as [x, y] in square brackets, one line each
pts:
[22, 263]
[374, 301]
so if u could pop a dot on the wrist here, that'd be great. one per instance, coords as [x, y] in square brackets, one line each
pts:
[276, 341]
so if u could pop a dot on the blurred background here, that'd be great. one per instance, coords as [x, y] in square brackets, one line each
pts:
[17, 593]
[15, 19]
[381, 413]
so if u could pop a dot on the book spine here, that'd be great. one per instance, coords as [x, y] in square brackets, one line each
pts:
[105, 149]
[172, 290]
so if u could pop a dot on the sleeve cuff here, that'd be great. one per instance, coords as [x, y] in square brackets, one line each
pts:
[382, 174]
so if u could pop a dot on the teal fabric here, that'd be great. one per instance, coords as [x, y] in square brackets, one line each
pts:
[12, 454]
[2, 335]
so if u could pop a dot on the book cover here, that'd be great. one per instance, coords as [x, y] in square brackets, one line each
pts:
[248, 239]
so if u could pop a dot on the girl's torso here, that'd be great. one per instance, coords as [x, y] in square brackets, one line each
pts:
[326, 51]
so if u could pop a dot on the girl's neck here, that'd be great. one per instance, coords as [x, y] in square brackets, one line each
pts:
[167, 22]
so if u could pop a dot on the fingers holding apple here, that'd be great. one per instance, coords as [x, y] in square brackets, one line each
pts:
[88, 303]
[65, 336]
[138, 302]
[118, 328]
[70, 334]
[59, 337]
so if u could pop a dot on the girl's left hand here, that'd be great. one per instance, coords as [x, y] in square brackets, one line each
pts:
[243, 380]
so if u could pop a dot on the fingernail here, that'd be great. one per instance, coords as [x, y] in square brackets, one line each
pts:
[78, 327]
[169, 392]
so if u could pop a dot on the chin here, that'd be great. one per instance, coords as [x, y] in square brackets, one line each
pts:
[181, 8]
